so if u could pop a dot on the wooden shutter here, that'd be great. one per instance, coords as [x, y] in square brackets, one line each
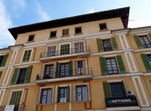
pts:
[70, 68]
[107, 90]
[138, 42]
[103, 66]
[4, 60]
[28, 74]
[114, 44]
[57, 70]
[146, 62]
[120, 64]
[100, 45]
[65, 49]
[1, 73]
[14, 78]
[123, 88]
[58, 97]
[149, 36]
[68, 97]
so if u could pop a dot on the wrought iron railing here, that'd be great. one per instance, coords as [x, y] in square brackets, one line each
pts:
[19, 107]
[64, 51]
[73, 73]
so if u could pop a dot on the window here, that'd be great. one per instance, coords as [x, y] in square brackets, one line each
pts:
[117, 90]
[63, 94]
[103, 26]
[53, 34]
[107, 45]
[51, 51]
[82, 93]
[145, 41]
[46, 96]
[114, 89]
[3, 59]
[149, 58]
[64, 69]
[65, 49]
[79, 47]
[79, 67]
[15, 99]
[21, 75]
[49, 71]
[1, 73]
[31, 37]
[26, 56]
[65, 32]
[112, 66]
[78, 30]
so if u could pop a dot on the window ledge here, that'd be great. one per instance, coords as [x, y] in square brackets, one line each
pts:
[78, 34]
[65, 35]
[30, 41]
[52, 37]
[103, 30]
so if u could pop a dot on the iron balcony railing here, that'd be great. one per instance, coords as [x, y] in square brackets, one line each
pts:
[19, 107]
[73, 73]
[65, 51]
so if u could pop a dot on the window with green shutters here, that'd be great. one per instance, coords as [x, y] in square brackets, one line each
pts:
[64, 69]
[143, 41]
[21, 75]
[65, 49]
[27, 55]
[112, 65]
[147, 61]
[64, 94]
[107, 44]
[15, 99]
[114, 90]
[3, 59]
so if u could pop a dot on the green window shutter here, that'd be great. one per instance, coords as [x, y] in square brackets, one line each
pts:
[100, 45]
[65, 49]
[70, 68]
[103, 66]
[28, 74]
[107, 90]
[68, 96]
[114, 44]
[120, 64]
[14, 78]
[1, 73]
[123, 88]
[138, 42]
[149, 36]
[146, 62]
[4, 60]
[58, 97]
[27, 55]
[57, 70]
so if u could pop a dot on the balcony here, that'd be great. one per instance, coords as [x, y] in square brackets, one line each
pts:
[125, 103]
[85, 74]
[12, 107]
[69, 52]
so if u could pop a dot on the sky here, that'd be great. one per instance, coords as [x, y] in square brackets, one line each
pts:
[15, 13]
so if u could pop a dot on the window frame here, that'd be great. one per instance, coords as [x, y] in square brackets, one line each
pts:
[19, 74]
[3, 58]
[31, 55]
[103, 28]
[70, 47]
[143, 36]
[40, 91]
[70, 94]
[52, 34]
[88, 88]
[64, 35]
[78, 32]
[33, 35]
[43, 69]
[107, 39]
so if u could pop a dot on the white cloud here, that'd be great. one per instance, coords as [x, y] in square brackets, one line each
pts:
[91, 10]
[41, 13]
[5, 22]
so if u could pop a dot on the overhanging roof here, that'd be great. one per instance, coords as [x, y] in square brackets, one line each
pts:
[121, 12]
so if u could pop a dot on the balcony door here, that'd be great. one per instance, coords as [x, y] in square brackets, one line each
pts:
[64, 69]
[80, 67]
[79, 47]
[51, 51]
[65, 49]
[48, 71]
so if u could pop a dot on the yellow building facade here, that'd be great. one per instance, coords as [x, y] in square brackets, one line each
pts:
[90, 62]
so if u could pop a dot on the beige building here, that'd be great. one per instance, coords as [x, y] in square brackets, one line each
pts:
[90, 62]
